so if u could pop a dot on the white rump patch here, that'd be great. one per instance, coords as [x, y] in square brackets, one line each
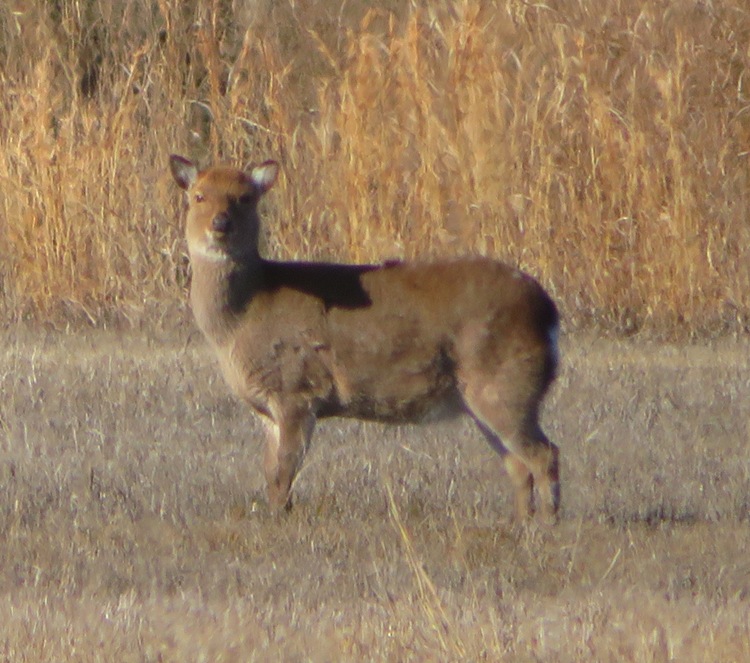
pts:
[553, 335]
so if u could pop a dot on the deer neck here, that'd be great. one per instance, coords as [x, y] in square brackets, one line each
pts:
[220, 292]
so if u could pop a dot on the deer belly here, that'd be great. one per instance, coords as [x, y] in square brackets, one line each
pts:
[398, 393]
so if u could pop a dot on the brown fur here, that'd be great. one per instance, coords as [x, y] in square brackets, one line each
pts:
[401, 342]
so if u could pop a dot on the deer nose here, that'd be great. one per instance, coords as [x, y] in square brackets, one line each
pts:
[221, 223]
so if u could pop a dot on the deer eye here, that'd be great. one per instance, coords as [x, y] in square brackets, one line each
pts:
[199, 198]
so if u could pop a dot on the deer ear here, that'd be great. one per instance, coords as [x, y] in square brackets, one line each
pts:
[264, 176]
[183, 171]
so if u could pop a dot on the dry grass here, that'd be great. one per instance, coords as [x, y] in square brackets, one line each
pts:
[134, 525]
[601, 145]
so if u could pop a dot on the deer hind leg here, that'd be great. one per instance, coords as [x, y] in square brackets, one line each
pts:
[541, 458]
[288, 440]
[507, 414]
[520, 475]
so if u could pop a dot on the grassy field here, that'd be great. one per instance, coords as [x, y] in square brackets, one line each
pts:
[603, 146]
[134, 523]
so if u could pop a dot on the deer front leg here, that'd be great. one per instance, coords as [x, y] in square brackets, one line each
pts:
[288, 439]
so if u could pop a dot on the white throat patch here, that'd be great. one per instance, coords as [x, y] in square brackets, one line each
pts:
[208, 252]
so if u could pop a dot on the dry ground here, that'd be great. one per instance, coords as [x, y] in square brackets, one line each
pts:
[134, 525]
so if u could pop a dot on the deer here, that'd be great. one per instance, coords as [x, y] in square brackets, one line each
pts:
[397, 342]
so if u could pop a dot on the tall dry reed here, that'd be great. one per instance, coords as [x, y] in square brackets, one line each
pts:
[603, 146]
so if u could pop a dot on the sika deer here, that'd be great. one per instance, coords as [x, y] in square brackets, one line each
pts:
[400, 342]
